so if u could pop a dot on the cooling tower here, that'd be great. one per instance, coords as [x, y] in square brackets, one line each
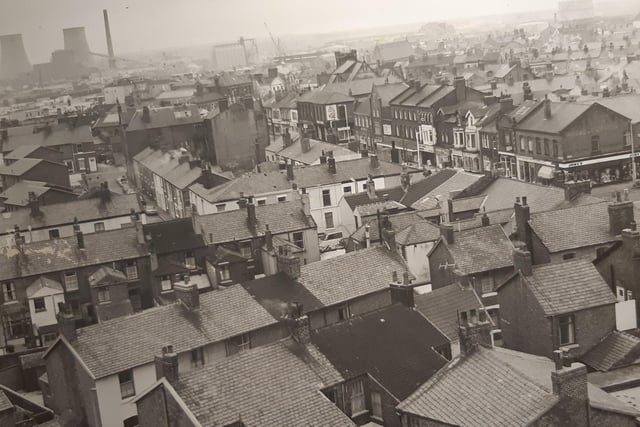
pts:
[13, 57]
[75, 40]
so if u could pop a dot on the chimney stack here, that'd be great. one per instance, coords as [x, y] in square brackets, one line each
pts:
[446, 231]
[395, 155]
[547, 108]
[290, 176]
[34, 204]
[388, 233]
[506, 104]
[460, 86]
[189, 295]
[242, 202]
[371, 188]
[268, 238]
[287, 262]
[364, 153]
[523, 214]
[299, 326]
[620, 212]
[402, 292]
[66, 322]
[631, 240]
[251, 214]
[472, 333]
[367, 236]
[522, 261]
[305, 144]
[485, 220]
[332, 165]
[80, 240]
[167, 365]
[146, 114]
[323, 158]
[374, 161]
[306, 204]
[569, 382]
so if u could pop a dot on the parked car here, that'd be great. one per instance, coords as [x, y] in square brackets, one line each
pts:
[331, 240]
[151, 210]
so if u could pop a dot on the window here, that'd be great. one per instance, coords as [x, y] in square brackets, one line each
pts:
[326, 198]
[546, 147]
[131, 270]
[39, 305]
[556, 150]
[486, 282]
[190, 260]
[595, 143]
[261, 202]
[566, 331]
[98, 227]
[221, 207]
[376, 404]
[71, 281]
[356, 397]
[225, 272]
[69, 164]
[104, 296]
[530, 144]
[54, 234]
[131, 421]
[570, 255]
[165, 283]
[538, 146]
[197, 357]
[9, 291]
[245, 249]
[238, 344]
[298, 239]
[328, 219]
[127, 388]
[522, 147]
[282, 199]
[626, 139]
[346, 189]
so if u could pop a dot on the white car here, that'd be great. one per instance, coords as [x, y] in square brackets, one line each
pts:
[150, 210]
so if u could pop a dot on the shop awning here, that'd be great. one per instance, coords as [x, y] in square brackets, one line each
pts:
[546, 172]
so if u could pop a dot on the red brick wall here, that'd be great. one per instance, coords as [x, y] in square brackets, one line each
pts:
[524, 326]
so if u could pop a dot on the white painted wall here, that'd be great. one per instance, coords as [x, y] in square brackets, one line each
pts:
[204, 207]
[416, 258]
[51, 300]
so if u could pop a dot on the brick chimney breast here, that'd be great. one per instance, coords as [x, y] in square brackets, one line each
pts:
[167, 364]
[188, 294]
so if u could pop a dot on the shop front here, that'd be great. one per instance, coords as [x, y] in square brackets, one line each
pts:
[604, 170]
[443, 157]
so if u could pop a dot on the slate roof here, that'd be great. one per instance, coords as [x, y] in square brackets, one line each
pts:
[399, 222]
[457, 182]
[362, 198]
[569, 286]
[502, 193]
[168, 166]
[324, 97]
[63, 254]
[481, 249]
[106, 275]
[107, 348]
[43, 282]
[339, 279]
[64, 213]
[294, 151]
[21, 152]
[615, 350]
[248, 184]
[61, 134]
[394, 51]
[562, 115]
[234, 225]
[441, 306]
[425, 186]
[577, 227]
[386, 92]
[173, 236]
[18, 193]
[273, 385]
[479, 391]
[165, 117]
[276, 291]
[395, 345]
[627, 105]
[20, 167]
[420, 232]
[233, 79]
[358, 87]
[426, 96]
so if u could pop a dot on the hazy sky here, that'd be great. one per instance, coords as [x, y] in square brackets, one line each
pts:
[152, 24]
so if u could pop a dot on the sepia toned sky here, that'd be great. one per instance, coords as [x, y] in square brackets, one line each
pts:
[154, 24]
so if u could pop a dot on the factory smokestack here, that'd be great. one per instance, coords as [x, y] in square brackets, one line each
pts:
[107, 30]
[75, 40]
[13, 57]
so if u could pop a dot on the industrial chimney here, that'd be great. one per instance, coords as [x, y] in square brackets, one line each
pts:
[75, 40]
[13, 57]
[107, 30]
